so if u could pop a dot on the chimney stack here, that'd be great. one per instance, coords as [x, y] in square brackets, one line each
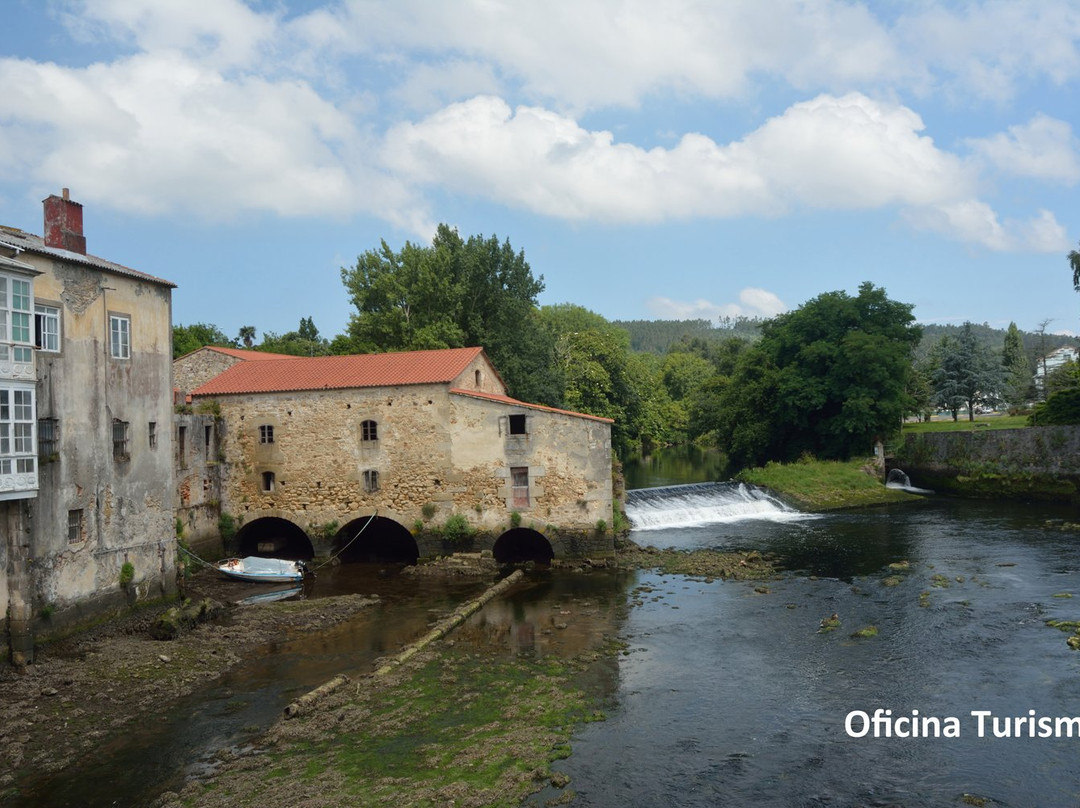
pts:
[64, 223]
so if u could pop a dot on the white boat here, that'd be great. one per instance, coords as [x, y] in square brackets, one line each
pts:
[266, 570]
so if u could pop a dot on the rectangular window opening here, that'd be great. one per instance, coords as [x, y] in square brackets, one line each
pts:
[519, 486]
[119, 336]
[47, 327]
[75, 526]
[371, 481]
[266, 433]
[48, 436]
[120, 440]
[517, 425]
[151, 434]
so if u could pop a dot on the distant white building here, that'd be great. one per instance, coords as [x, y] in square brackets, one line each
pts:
[1046, 365]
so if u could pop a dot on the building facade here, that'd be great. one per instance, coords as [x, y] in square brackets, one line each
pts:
[422, 441]
[89, 517]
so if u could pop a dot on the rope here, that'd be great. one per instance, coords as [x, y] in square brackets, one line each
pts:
[347, 546]
[331, 558]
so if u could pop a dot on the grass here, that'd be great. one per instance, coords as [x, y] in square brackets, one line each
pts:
[823, 485]
[964, 425]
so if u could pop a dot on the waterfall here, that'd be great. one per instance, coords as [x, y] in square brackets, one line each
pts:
[702, 504]
[898, 479]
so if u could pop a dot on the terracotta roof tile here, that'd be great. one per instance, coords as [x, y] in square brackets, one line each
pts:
[341, 372]
[507, 400]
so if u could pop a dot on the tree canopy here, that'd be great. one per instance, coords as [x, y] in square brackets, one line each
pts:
[828, 379]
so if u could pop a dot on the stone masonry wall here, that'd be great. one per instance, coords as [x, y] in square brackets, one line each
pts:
[1036, 463]
[435, 454]
[199, 367]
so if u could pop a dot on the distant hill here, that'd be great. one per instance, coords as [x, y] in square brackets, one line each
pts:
[657, 336]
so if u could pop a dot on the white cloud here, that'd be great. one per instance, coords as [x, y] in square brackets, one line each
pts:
[752, 303]
[1045, 149]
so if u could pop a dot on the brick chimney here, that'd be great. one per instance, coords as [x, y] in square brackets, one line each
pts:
[63, 223]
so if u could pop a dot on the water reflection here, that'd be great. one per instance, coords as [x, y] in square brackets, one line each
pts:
[675, 465]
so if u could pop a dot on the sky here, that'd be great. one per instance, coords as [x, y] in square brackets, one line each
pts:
[668, 160]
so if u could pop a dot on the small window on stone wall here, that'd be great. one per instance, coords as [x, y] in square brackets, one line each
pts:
[266, 433]
[371, 480]
[369, 430]
[75, 526]
[268, 481]
[519, 482]
[517, 425]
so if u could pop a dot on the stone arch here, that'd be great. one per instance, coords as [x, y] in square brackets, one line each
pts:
[522, 544]
[382, 540]
[272, 536]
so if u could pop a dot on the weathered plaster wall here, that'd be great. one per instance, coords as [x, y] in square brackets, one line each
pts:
[198, 453]
[127, 503]
[1034, 463]
[437, 452]
[199, 367]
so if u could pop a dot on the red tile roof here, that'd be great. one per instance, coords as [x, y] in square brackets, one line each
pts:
[507, 400]
[341, 372]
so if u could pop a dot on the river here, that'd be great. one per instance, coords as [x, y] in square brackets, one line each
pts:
[729, 692]
[735, 696]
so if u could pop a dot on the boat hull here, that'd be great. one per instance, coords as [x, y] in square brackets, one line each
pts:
[262, 570]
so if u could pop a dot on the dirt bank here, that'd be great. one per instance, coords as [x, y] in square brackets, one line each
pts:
[85, 688]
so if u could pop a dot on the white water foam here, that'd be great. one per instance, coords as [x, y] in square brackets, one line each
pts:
[704, 504]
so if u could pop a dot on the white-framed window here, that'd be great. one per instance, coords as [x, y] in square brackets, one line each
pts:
[266, 433]
[119, 336]
[17, 434]
[16, 311]
[47, 327]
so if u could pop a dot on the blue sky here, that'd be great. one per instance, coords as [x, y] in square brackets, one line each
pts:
[653, 160]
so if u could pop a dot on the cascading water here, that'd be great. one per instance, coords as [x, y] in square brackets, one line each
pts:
[898, 479]
[703, 504]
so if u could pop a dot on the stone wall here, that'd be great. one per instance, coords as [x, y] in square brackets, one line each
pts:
[434, 454]
[1033, 463]
[199, 367]
[198, 457]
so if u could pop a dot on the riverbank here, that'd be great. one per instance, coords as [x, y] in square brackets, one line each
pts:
[826, 485]
[86, 688]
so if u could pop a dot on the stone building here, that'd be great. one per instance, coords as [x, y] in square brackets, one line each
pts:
[86, 480]
[198, 367]
[426, 442]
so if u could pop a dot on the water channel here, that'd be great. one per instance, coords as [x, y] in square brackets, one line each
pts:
[730, 693]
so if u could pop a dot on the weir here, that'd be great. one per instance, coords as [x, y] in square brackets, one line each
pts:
[703, 504]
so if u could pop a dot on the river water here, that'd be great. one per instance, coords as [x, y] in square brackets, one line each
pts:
[729, 692]
[734, 696]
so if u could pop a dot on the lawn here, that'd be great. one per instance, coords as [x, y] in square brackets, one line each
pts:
[964, 425]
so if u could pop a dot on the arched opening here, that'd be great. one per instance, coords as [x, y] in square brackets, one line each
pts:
[520, 545]
[382, 541]
[272, 537]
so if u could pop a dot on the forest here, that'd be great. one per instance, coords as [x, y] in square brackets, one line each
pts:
[827, 379]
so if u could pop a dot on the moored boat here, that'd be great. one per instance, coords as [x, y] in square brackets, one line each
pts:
[266, 570]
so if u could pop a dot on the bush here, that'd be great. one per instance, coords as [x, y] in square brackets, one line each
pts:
[227, 526]
[457, 529]
[127, 573]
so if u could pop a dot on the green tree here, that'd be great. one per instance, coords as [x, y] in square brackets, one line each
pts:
[968, 374]
[246, 335]
[188, 338]
[829, 378]
[451, 294]
[1016, 368]
[305, 341]
[1074, 262]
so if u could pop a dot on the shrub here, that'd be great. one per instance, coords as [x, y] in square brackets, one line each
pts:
[515, 519]
[457, 529]
[428, 510]
[127, 573]
[226, 526]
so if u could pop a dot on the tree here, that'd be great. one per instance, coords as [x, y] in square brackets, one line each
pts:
[1016, 369]
[246, 335]
[451, 294]
[829, 378]
[968, 374]
[305, 341]
[1074, 262]
[188, 338]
